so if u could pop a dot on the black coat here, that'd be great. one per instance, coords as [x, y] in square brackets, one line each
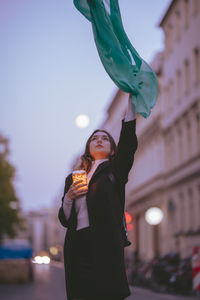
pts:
[105, 202]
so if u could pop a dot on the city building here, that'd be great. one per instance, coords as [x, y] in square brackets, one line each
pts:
[43, 230]
[166, 171]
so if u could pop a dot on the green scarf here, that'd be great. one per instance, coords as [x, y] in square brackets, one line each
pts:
[119, 58]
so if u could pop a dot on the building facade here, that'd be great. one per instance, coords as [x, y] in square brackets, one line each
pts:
[166, 171]
[43, 230]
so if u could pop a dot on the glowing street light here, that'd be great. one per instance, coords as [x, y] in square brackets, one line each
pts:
[154, 215]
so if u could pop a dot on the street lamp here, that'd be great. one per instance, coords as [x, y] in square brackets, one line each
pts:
[154, 215]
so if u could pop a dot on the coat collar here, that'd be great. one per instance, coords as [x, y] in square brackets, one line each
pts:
[99, 169]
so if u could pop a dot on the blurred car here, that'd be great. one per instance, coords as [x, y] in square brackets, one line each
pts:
[15, 263]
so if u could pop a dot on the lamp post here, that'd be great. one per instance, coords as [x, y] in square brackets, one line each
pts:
[154, 216]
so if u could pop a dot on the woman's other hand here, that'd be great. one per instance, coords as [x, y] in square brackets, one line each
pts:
[76, 190]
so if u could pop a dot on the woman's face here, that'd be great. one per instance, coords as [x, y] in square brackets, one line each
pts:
[100, 146]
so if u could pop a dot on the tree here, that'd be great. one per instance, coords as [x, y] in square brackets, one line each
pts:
[10, 212]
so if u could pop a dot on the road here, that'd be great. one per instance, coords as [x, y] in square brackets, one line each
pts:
[49, 284]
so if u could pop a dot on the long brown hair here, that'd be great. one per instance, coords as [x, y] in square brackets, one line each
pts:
[87, 159]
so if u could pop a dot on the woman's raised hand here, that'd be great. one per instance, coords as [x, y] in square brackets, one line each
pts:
[76, 190]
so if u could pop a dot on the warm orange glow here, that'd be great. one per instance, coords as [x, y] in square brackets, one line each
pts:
[128, 218]
[79, 175]
[53, 250]
[129, 227]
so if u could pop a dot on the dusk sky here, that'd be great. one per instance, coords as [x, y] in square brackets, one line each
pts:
[50, 72]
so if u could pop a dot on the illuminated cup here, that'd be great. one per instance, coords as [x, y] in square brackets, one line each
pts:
[80, 175]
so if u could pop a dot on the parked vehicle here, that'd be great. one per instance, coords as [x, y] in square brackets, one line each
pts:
[169, 274]
[15, 264]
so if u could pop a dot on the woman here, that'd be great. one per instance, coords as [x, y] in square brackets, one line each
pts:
[94, 242]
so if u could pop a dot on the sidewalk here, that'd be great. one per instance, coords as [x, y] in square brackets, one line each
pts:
[49, 283]
[145, 294]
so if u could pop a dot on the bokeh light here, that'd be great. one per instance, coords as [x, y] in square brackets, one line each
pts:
[128, 217]
[82, 121]
[53, 250]
[154, 215]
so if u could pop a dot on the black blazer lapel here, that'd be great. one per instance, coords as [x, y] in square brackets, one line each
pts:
[99, 169]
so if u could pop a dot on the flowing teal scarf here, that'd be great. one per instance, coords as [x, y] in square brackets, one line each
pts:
[119, 58]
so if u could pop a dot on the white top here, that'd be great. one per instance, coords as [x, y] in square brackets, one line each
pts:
[80, 202]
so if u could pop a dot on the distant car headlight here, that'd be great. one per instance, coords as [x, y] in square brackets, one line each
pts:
[38, 259]
[41, 260]
[46, 260]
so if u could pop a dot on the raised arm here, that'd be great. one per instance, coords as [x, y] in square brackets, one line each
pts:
[127, 145]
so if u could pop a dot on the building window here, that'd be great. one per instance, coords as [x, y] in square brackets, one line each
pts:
[167, 151]
[196, 66]
[189, 140]
[186, 13]
[198, 129]
[171, 150]
[178, 85]
[166, 40]
[178, 25]
[169, 146]
[171, 94]
[183, 211]
[195, 7]
[199, 199]
[195, 129]
[180, 152]
[170, 38]
[191, 210]
[172, 216]
[187, 76]
[167, 95]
